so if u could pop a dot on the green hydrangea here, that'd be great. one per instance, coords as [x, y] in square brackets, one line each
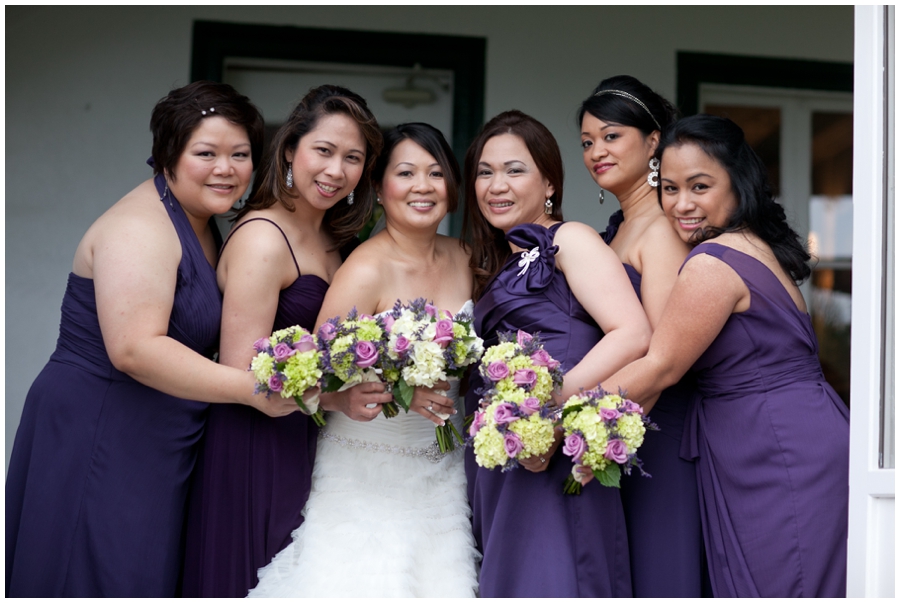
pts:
[536, 434]
[301, 372]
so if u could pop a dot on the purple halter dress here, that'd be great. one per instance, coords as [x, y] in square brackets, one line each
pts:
[771, 439]
[662, 512]
[97, 481]
[537, 541]
[253, 476]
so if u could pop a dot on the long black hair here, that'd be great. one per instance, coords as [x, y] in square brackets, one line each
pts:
[757, 210]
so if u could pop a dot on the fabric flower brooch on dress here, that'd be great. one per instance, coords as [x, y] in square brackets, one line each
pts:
[514, 421]
[425, 346]
[288, 363]
[602, 434]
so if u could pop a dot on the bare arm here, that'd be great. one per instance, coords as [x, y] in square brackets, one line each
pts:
[704, 297]
[599, 282]
[662, 254]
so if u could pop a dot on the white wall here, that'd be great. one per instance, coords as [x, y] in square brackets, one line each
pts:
[81, 82]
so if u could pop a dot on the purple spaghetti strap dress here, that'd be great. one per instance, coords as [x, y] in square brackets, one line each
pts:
[771, 439]
[97, 481]
[537, 541]
[662, 512]
[253, 476]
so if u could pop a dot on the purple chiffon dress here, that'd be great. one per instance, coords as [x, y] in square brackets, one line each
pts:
[97, 481]
[662, 513]
[771, 439]
[537, 541]
[253, 475]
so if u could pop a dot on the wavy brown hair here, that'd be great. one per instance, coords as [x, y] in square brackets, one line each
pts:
[342, 221]
[489, 247]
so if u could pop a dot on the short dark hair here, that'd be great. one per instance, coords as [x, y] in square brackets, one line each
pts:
[433, 142]
[342, 221]
[489, 246]
[757, 210]
[177, 115]
[619, 109]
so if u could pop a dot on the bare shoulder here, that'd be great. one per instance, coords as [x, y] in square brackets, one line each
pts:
[660, 240]
[577, 236]
[259, 238]
[366, 265]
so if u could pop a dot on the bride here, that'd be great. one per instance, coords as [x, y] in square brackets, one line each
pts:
[383, 498]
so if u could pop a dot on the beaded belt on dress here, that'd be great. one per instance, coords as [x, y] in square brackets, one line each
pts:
[432, 453]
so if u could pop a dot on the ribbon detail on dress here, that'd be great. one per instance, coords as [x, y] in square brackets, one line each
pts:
[537, 265]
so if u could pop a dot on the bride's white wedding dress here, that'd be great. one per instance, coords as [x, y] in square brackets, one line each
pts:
[387, 515]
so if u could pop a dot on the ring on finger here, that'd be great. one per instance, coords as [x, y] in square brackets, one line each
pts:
[430, 408]
[543, 460]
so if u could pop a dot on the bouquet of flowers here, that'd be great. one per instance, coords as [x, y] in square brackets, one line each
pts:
[353, 351]
[515, 421]
[288, 363]
[427, 345]
[603, 432]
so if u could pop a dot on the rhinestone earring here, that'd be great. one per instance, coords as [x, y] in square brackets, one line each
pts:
[351, 197]
[290, 178]
[653, 176]
[602, 199]
[548, 206]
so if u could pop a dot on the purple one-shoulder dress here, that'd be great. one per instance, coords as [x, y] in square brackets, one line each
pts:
[253, 475]
[537, 541]
[662, 512]
[771, 439]
[97, 481]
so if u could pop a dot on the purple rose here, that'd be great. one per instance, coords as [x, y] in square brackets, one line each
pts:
[530, 406]
[261, 344]
[512, 444]
[497, 370]
[446, 314]
[327, 331]
[505, 413]
[477, 423]
[575, 447]
[401, 345]
[523, 338]
[526, 377]
[542, 358]
[305, 344]
[275, 383]
[431, 311]
[632, 407]
[443, 332]
[282, 352]
[366, 317]
[609, 414]
[616, 451]
[366, 354]
[388, 321]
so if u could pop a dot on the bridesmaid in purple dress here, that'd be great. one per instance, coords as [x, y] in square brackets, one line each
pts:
[539, 274]
[97, 481]
[620, 129]
[253, 476]
[770, 436]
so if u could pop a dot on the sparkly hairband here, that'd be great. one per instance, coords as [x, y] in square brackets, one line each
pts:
[632, 98]
[213, 110]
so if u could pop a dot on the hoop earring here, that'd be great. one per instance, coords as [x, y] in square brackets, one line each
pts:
[351, 197]
[290, 178]
[653, 176]
[548, 206]
[601, 196]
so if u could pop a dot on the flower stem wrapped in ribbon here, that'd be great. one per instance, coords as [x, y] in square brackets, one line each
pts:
[515, 421]
[603, 432]
[427, 346]
[353, 352]
[289, 363]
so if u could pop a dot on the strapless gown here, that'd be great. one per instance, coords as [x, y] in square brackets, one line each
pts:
[771, 439]
[662, 512]
[253, 474]
[98, 477]
[387, 516]
[537, 541]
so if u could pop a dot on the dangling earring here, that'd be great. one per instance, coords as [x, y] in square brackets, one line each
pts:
[601, 196]
[653, 176]
[548, 206]
[290, 178]
[351, 196]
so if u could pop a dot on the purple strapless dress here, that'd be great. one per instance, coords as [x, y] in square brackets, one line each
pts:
[97, 481]
[662, 513]
[253, 475]
[771, 439]
[537, 541]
